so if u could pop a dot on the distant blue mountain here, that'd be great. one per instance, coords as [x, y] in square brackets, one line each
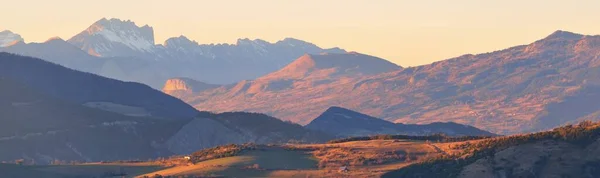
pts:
[345, 123]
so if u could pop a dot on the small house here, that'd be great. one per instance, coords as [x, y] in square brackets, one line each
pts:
[343, 169]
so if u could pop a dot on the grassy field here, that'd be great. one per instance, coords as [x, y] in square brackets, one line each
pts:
[256, 163]
[363, 159]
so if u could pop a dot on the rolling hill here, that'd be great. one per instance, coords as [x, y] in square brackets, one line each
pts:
[563, 152]
[210, 130]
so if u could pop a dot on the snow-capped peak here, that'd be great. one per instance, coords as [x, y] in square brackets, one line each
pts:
[294, 42]
[106, 35]
[258, 45]
[125, 32]
[8, 38]
[180, 41]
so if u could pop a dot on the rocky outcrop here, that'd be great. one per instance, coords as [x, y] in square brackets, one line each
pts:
[185, 85]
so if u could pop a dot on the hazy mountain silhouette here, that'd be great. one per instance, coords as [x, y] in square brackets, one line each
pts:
[345, 123]
[123, 50]
[85, 88]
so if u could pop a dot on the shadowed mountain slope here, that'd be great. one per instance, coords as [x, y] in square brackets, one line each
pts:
[209, 130]
[86, 88]
[41, 128]
[347, 123]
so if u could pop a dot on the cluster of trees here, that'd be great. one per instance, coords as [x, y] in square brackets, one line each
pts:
[221, 152]
[432, 138]
[582, 134]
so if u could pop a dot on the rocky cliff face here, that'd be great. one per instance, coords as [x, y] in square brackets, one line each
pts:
[185, 86]
[113, 38]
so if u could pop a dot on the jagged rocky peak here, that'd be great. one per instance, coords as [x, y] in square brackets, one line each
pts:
[8, 38]
[115, 37]
[246, 41]
[123, 27]
[183, 84]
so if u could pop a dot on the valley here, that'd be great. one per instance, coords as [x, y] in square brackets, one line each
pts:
[536, 154]
[112, 100]
[364, 159]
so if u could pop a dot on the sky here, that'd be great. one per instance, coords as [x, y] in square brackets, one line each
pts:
[408, 33]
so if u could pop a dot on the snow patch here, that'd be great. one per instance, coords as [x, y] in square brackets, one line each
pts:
[8, 38]
[129, 38]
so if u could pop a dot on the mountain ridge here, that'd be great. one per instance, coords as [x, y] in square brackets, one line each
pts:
[123, 50]
[505, 91]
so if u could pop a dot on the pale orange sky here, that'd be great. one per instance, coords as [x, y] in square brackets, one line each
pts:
[408, 33]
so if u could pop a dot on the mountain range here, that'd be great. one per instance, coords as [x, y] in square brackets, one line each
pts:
[538, 86]
[525, 88]
[123, 50]
[52, 113]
